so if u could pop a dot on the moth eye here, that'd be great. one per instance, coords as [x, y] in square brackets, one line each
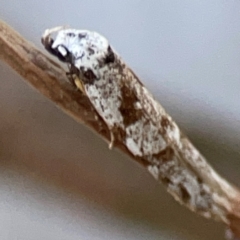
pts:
[62, 50]
[63, 54]
[48, 46]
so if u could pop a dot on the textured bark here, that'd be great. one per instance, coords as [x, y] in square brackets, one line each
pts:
[179, 166]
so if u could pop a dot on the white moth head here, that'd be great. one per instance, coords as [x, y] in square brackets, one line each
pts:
[82, 49]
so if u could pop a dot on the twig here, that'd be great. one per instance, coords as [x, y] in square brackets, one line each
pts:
[179, 166]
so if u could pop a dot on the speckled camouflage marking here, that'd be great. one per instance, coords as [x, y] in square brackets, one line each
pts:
[135, 118]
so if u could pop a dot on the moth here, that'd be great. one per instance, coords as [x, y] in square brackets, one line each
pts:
[136, 119]
[112, 88]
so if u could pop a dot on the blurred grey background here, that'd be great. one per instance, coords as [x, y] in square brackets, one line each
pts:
[59, 181]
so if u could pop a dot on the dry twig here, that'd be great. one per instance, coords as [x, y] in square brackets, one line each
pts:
[180, 167]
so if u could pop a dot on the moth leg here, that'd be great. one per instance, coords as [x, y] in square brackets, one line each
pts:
[76, 82]
[112, 139]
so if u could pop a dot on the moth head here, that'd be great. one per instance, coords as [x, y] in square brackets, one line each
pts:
[80, 48]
